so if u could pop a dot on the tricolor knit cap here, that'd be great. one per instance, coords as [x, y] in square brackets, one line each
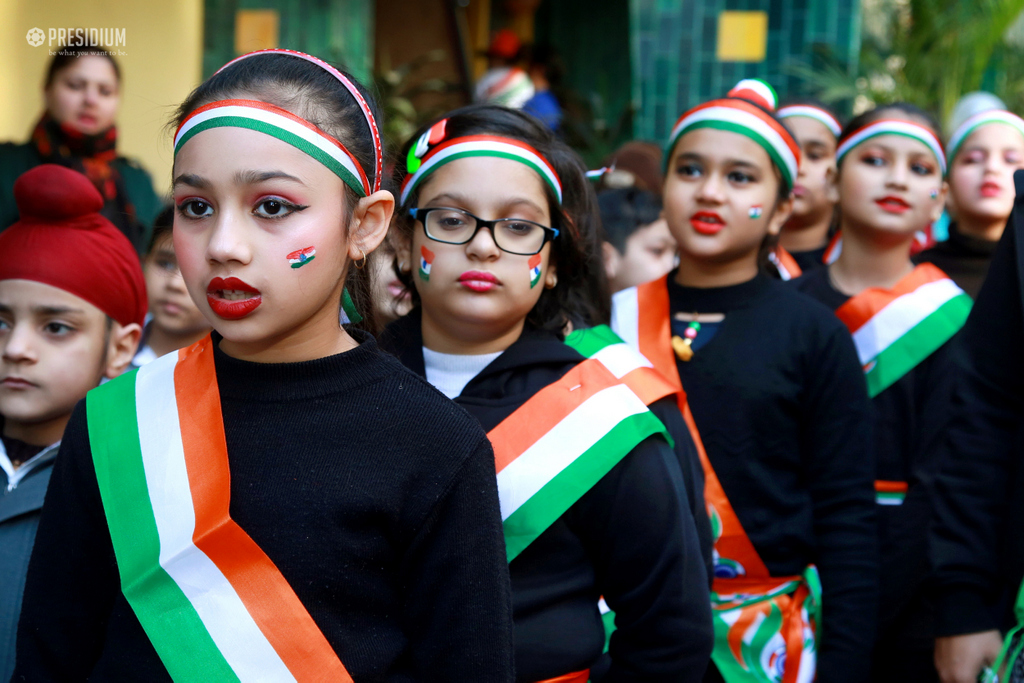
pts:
[61, 240]
[743, 112]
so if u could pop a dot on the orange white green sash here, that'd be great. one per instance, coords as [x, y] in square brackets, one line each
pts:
[895, 329]
[212, 603]
[784, 263]
[765, 626]
[559, 444]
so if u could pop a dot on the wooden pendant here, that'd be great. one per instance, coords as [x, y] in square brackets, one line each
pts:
[682, 348]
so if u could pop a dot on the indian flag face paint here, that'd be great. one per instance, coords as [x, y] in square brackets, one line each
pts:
[301, 257]
[534, 264]
[426, 260]
[755, 211]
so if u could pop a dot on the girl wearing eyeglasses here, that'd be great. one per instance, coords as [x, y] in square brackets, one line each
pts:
[498, 243]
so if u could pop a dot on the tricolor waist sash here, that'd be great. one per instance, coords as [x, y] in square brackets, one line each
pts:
[560, 443]
[212, 603]
[895, 329]
[765, 626]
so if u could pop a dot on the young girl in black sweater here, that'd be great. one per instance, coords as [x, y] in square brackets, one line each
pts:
[281, 500]
[902, 317]
[779, 400]
[501, 248]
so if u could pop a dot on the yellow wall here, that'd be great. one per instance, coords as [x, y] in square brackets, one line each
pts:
[162, 63]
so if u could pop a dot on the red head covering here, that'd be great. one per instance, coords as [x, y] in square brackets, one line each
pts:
[63, 241]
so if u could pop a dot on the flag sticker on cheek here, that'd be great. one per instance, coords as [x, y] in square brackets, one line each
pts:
[301, 257]
[755, 211]
[426, 259]
[534, 264]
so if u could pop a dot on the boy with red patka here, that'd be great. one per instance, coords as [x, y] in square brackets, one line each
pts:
[72, 300]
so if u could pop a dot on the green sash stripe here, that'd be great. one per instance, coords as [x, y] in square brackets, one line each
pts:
[591, 340]
[172, 624]
[922, 340]
[549, 503]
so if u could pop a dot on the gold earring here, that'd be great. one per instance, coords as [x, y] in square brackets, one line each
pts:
[361, 263]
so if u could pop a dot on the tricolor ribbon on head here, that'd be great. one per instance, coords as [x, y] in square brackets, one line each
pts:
[975, 122]
[434, 135]
[364, 106]
[739, 116]
[481, 146]
[281, 124]
[811, 112]
[907, 129]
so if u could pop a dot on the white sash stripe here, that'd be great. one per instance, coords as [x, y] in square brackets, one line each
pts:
[482, 146]
[239, 639]
[621, 359]
[900, 316]
[889, 501]
[626, 316]
[274, 119]
[563, 444]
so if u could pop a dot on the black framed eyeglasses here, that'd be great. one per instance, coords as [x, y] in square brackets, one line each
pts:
[455, 226]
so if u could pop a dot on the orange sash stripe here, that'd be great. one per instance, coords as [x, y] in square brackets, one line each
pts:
[266, 594]
[891, 486]
[861, 308]
[577, 677]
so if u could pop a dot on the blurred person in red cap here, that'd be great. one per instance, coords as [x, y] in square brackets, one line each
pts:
[174, 321]
[82, 92]
[504, 83]
[72, 301]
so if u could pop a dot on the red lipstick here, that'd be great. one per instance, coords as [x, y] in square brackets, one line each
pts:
[232, 299]
[707, 222]
[893, 204]
[990, 188]
[478, 281]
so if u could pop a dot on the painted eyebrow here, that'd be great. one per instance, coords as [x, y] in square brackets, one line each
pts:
[254, 177]
[693, 156]
[462, 199]
[192, 180]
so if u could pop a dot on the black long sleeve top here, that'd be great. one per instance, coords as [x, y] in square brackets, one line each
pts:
[373, 494]
[781, 404]
[964, 258]
[979, 510]
[909, 420]
[631, 539]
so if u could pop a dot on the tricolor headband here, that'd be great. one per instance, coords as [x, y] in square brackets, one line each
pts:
[812, 112]
[281, 124]
[260, 124]
[740, 116]
[893, 127]
[473, 146]
[975, 122]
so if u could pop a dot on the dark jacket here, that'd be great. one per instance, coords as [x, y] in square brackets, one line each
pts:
[20, 503]
[979, 510]
[630, 538]
[16, 159]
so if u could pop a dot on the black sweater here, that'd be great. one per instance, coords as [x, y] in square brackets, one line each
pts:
[781, 404]
[630, 539]
[979, 508]
[909, 422]
[965, 259]
[373, 494]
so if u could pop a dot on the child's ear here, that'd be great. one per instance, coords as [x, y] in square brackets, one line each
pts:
[610, 256]
[940, 202]
[369, 225]
[783, 209]
[124, 342]
[832, 185]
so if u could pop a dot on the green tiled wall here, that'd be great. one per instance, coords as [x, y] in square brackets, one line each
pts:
[340, 31]
[673, 46]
